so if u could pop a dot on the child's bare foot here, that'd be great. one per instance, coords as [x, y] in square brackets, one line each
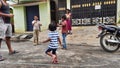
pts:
[2, 59]
[53, 58]
[55, 61]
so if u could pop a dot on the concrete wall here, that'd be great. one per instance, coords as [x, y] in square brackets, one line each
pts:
[19, 19]
[118, 10]
[45, 19]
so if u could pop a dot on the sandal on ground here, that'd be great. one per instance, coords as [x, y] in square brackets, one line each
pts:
[2, 59]
[14, 52]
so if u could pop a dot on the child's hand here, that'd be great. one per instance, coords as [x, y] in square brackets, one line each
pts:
[59, 28]
[35, 22]
[42, 42]
[40, 24]
[61, 46]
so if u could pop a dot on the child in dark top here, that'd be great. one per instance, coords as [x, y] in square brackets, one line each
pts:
[53, 38]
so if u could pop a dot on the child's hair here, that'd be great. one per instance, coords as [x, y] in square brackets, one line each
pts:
[52, 27]
[64, 17]
[35, 16]
[68, 10]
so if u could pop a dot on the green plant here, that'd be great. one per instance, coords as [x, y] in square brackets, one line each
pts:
[119, 21]
[12, 19]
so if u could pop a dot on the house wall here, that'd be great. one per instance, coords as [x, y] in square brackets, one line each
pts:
[19, 19]
[45, 19]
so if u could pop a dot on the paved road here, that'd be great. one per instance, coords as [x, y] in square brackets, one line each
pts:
[83, 51]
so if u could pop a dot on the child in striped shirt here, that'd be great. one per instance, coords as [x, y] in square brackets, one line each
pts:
[54, 40]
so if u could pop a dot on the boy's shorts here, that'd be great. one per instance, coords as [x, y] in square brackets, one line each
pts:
[51, 49]
[2, 28]
[5, 30]
[2, 31]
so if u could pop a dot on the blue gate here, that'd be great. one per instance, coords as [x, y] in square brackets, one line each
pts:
[31, 11]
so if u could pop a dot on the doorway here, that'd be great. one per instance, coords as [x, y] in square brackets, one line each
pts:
[53, 11]
[30, 15]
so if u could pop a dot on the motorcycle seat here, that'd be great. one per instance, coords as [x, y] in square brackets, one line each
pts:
[112, 26]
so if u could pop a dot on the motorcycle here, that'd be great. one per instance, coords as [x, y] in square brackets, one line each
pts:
[109, 37]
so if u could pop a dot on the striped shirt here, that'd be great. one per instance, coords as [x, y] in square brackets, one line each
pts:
[53, 35]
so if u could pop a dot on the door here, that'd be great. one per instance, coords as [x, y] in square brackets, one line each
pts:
[53, 10]
[31, 11]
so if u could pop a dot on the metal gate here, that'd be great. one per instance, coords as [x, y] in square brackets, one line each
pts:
[62, 4]
[91, 12]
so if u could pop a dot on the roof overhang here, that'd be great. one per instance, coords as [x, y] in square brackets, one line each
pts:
[29, 3]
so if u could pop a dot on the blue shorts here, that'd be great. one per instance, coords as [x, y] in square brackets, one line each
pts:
[51, 50]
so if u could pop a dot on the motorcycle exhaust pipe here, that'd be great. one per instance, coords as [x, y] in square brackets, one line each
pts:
[113, 41]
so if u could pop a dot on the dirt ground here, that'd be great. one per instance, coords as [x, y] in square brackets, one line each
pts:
[84, 51]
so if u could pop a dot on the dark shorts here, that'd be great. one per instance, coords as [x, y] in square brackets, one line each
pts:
[51, 50]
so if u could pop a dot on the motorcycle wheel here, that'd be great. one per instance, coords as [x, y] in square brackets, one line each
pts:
[107, 46]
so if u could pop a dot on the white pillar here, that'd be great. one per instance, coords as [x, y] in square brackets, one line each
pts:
[68, 4]
[118, 10]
